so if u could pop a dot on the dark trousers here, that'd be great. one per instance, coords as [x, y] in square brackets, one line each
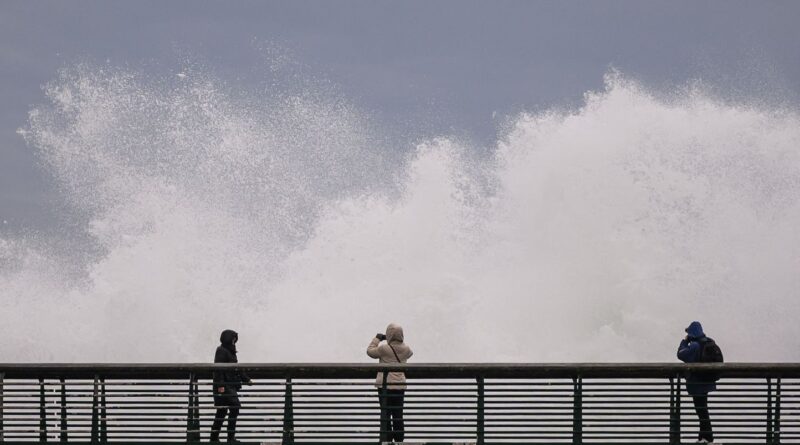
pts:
[226, 403]
[392, 428]
[701, 406]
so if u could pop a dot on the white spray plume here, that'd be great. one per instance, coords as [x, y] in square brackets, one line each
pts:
[594, 234]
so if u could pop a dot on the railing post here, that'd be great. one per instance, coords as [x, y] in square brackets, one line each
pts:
[383, 401]
[675, 410]
[63, 425]
[193, 411]
[42, 413]
[480, 414]
[288, 415]
[577, 411]
[769, 411]
[197, 407]
[2, 408]
[189, 413]
[773, 412]
[678, 408]
[103, 417]
[95, 401]
[776, 429]
[672, 411]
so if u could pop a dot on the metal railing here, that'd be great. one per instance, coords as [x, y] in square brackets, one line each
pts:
[476, 403]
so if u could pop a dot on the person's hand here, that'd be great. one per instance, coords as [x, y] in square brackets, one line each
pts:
[221, 389]
[380, 336]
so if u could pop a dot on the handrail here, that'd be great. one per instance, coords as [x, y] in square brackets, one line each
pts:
[425, 370]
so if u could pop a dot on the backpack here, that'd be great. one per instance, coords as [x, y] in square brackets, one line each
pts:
[710, 352]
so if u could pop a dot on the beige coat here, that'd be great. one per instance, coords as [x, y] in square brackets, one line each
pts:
[383, 352]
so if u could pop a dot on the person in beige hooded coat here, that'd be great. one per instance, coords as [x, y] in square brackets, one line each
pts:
[392, 394]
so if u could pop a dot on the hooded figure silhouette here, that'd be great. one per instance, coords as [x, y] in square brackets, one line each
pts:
[227, 384]
[697, 385]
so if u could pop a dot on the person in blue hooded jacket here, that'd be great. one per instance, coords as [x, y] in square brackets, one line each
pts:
[698, 386]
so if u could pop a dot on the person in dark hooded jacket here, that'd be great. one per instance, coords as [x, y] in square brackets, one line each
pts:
[698, 386]
[227, 384]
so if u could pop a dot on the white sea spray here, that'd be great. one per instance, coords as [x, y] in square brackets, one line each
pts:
[591, 234]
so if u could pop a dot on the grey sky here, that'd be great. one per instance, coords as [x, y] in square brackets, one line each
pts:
[422, 68]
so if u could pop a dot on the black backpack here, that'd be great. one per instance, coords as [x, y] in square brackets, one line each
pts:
[710, 351]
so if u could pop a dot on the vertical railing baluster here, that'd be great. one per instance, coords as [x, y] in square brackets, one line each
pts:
[678, 408]
[63, 437]
[776, 429]
[383, 402]
[577, 411]
[103, 416]
[675, 410]
[769, 411]
[672, 417]
[288, 415]
[197, 426]
[95, 434]
[42, 413]
[189, 413]
[196, 405]
[2, 408]
[193, 411]
[480, 414]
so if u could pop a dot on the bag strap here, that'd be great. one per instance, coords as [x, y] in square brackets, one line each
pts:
[395, 353]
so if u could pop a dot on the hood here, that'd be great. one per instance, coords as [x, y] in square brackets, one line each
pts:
[394, 333]
[695, 330]
[228, 339]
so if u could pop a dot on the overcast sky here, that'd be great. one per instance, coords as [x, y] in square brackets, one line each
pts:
[421, 68]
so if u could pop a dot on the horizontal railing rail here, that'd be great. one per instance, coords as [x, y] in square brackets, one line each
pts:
[454, 402]
[428, 370]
